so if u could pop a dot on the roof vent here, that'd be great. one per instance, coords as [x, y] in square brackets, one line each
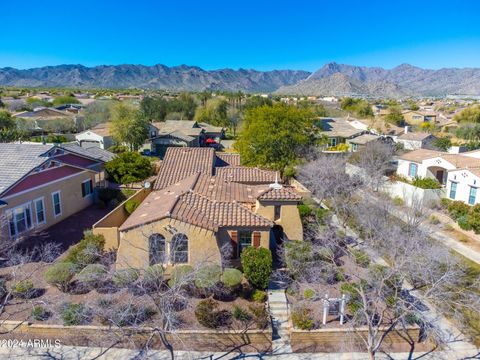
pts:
[276, 185]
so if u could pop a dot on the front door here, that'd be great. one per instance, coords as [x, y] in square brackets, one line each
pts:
[439, 176]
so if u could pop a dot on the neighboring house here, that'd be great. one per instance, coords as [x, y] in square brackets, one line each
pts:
[353, 132]
[415, 140]
[458, 173]
[40, 117]
[44, 184]
[98, 136]
[193, 214]
[70, 108]
[418, 117]
[182, 133]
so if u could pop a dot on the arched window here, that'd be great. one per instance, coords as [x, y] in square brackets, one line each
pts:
[179, 248]
[156, 244]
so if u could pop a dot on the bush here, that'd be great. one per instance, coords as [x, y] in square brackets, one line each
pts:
[87, 251]
[257, 266]
[464, 223]
[259, 296]
[298, 257]
[302, 318]
[434, 220]
[457, 209]
[304, 211]
[23, 288]
[474, 221]
[107, 194]
[260, 315]
[39, 313]
[180, 274]
[127, 315]
[360, 257]
[207, 314]
[232, 277]
[131, 205]
[241, 314]
[339, 275]
[153, 276]
[125, 277]
[426, 183]
[74, 314]
[92, 274]
[60, 275]
[309, 293]
[397, 200]
[208, 276]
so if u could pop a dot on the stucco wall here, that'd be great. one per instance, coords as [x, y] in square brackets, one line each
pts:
[289, 217]
[465, 180]
[70, 197]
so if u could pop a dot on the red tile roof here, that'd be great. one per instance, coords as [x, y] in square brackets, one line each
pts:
[247, 175]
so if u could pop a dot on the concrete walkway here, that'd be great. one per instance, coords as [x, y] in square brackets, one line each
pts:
[278, 307]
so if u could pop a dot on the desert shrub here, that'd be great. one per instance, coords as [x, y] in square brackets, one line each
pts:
[260, 315]
[180, 274]
[74, 314]
[474, 221]
[207, 314]
[92, 274]
[309, 293]
[39, 313]
[397, 200]
[259, 296]
[232, 277]
[60, 275]
[208, 276]
[464, 222]
[360, 257]
[426, 183]
[448, 227]
[434, 220]
[298, 257]
[153, 276]
[457, 209]
[131, 205]
[125, 277]
[302, 318]
[23, 288]
[240, 314]
[304, 211]
[127, 315]
[257, 266]
[87, 251]
[445, 202]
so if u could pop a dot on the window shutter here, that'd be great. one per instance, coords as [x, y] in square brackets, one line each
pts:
[83, 189]
[234, 241]
[256, 239]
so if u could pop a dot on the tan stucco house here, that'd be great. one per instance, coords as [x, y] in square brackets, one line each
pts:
[193, 215]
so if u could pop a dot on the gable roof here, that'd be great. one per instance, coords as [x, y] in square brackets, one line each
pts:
[181, 162]
[18, 160]
[174, 134]
[416, 136]
[420, 154]
[43, 113]
[93, 152]
[227, 159]
[338, 127]
[364, 139]
[187, 127]
[458, 160]
[246, 174]
[280, 193]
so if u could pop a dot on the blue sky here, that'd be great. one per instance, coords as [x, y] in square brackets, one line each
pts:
[258, 34]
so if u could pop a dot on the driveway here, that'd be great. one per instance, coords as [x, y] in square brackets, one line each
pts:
[69, 231]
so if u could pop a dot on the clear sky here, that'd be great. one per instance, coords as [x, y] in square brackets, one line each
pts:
[264, 35]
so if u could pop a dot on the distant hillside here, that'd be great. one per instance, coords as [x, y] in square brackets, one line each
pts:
[403, 80]
[182, 77]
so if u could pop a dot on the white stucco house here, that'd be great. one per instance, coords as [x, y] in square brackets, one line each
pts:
[415, 140]
[459, 174]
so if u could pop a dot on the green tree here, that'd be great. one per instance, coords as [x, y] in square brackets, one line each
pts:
[184, 104]
[6, 120]
[256, 101]
[257, 266]
[98, 112]
[61, 100]
[272, 136]
[154, 108]
[214, 112]
[128, 126]
[394, 116]
[470, 114]
[129, 167]
[412, 105]
[469, 131]
[359, 107]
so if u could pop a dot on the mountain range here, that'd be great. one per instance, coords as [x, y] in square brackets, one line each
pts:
[331, 79]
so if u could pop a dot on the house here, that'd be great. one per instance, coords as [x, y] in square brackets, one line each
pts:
[44, 184]
[415, 140]
[98, 136]
[459, 174]
[192, 214]
[183, 133]
[41, 117]
[357, 143]
[418, 117]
